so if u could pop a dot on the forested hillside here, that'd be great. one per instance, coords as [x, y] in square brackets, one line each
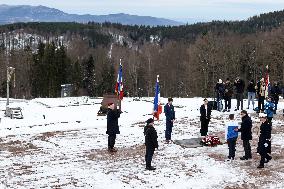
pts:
[189, 58]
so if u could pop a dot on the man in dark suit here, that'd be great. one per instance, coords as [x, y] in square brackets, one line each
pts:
[112, 126]
[246, 134]
[151, 142]
[170, 118]
[205, 115]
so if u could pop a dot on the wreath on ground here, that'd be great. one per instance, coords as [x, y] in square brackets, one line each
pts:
[210, 141]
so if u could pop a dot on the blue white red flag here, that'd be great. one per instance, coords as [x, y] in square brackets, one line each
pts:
[157, 104]
[119, 84]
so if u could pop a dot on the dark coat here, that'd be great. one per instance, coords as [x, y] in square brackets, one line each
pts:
[169, 112]
[112, 122]
[275, 92]
[229, 91]
[245, 129]
[240, 86]
[251, 87]
[151, 137]
[265, 134]
[203, 112]
[220, 90]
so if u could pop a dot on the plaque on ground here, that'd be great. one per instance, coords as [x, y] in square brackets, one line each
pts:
[189, 143]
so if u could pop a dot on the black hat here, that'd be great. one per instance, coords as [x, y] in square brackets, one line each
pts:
[150, 120]
[170, 99]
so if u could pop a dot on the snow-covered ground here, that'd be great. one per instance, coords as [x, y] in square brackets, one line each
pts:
[61, 143]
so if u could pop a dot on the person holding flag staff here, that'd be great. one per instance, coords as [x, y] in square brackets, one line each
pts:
[157, 104]
[170, 118]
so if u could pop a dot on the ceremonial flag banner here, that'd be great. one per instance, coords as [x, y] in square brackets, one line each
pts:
[119, 84]
[157, 104]
[267, 82]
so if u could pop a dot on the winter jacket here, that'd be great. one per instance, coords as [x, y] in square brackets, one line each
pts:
[260, 88]
[169, 112]
[264, 143]
[151, 137]
[275, 92]
[269, 108]
[229, 90]
[203, 115]
[245, 129]
[220, 90]
[240, 86]
[229, 130]
[112, 122]
[251, 87]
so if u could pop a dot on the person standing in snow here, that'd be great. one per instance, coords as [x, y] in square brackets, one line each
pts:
[151, 142]
[231, 136]
[219, 89]
[260, 91]
[170, 118]
[246, 134]
[269, 109]
[275, 92]
[228, 95]
[205, 115]
[251, 93]
[240, 86]
[112, 126]
[264, 141]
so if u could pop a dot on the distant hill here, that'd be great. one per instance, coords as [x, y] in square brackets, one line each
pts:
[25, 13]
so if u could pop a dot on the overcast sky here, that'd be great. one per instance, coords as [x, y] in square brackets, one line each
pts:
[181, 10]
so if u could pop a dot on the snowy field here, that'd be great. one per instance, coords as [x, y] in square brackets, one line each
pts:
[68, 149]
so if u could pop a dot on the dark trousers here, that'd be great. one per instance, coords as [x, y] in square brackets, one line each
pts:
[227, 103]
[204, 127]
[149, 156]
[261, 103]
[232, 147]
[111, 141]
[269, 119]
[240, 99]
[169, 129]
[247, 148]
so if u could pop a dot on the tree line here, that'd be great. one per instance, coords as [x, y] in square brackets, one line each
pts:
[189, 59]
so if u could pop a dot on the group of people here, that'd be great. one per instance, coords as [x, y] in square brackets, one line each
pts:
[264, 141]
[226, 90]
[232, 129]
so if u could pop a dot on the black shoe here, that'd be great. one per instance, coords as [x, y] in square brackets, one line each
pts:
[151, 168]
[260, 166]
[243, 158]
[268, 159]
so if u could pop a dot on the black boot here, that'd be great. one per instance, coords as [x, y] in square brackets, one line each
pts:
[260, 166]
[150, 168]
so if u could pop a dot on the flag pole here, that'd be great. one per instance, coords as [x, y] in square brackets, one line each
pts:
[119, 99]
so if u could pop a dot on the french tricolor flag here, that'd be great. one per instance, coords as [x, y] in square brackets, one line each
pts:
[157, 104]
[119, 84]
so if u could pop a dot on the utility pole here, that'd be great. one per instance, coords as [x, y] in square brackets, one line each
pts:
[10, 72]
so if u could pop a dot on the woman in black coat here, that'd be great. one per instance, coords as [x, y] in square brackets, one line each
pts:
[205, 115]
[264, 142]
[112, 126]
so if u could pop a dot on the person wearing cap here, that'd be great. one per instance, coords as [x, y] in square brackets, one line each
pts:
[151, 142]
[269, 108]
[264, 141]
[246, 134]
[219, 89]
[205, 115]
[112, 126]
[170, 118]
[240, 87]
